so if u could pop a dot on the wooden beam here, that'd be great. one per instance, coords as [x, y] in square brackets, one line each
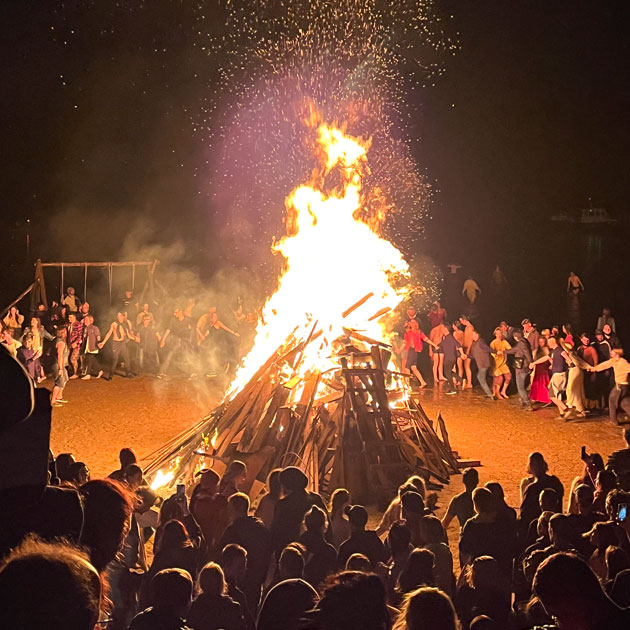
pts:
[130, 263]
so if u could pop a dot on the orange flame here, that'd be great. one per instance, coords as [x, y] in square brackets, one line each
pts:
[333, 259]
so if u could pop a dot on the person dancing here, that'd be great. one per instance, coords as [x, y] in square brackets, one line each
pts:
[413, 345]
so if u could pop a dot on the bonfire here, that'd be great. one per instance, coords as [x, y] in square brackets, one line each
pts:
[319, 389]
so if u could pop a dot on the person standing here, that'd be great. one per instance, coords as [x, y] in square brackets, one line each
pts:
[588, 354]
[71, 300]
[559, 374]
[471, 290]
[437, 354]
[606, 318]
[413, 346]
[14, 320]
[540, 381]
[59, 368]
[179, 331]
[451, 349]
[148, 358]
[91, 339]
[574, 284]
[75, 338]
[481, 352]
[501, 373]
[29, 358]
[437, 314]
[466, 341]
[576, 399]
[39, 334]
[119, 335]
[619, 394]
[531, 334]
[522, 354]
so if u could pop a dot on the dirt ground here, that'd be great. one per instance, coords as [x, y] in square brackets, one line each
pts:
[101, 417]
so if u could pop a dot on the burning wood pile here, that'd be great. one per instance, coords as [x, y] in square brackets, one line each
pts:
[355, 426]
[318, 389]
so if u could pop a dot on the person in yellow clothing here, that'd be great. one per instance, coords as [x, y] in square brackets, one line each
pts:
[501, 373]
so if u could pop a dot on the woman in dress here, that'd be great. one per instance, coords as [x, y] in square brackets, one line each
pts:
[501, 375]
[588, 354]
[38, 333]
[575, 384]
[540, 381]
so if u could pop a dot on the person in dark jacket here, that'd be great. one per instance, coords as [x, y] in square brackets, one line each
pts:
[321, 556]
[176, 550]
[250, 533]
[290, 510]
[213, 608]
[286, 604]
[481, 353]
[365, 541]
[532, 486]
[171, 593]
[522, 353]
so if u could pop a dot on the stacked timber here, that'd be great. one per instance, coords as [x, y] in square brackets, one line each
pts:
[355, 425]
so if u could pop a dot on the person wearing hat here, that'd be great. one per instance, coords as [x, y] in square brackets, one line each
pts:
[290, 510]
[362, 540]
[531, 334]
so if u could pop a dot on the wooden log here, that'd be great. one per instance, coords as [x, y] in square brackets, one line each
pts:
[379, 313]
[356, 305]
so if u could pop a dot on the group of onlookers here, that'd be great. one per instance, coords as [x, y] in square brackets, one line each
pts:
[295, 561]
[66, 343]
[578, 374]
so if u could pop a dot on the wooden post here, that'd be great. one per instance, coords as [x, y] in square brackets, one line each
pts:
[85, 283]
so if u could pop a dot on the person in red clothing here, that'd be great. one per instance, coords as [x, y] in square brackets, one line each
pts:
[437, 314]
[413, 346]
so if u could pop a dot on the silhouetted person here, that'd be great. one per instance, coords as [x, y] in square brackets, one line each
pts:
[234, 565]
[570, 591]
[321, 555]
[176, 551]
[126, 457]
[461, 505]
[210, 510]
[286, 604]
[213, 608]
[290, 510]
[171, 594]
[362, 540]
[48, 585]
[107, 507]
[532, 486]
[427, 609]
[249, 532]
[352, 601]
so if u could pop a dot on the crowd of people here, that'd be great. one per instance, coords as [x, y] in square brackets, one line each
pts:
[579, 374]
[76, 554]
[68, 341]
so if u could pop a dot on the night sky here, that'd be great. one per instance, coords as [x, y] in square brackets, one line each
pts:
[106, 108]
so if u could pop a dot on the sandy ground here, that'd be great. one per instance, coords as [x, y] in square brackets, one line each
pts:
[101, 417]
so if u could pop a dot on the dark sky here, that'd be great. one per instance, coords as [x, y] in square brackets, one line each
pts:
[530, 118]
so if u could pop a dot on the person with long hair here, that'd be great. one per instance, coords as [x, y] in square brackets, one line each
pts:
[39, 334]
[176, 550]
[60, 368]
[233, 477]
[14, 320]
[587, 353]
[539, 391]
[213, 608]
[339, 523]
[419, 571]
[426, 609]
[501, 375]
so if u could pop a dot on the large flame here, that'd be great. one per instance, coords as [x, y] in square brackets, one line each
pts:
[333, 259]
